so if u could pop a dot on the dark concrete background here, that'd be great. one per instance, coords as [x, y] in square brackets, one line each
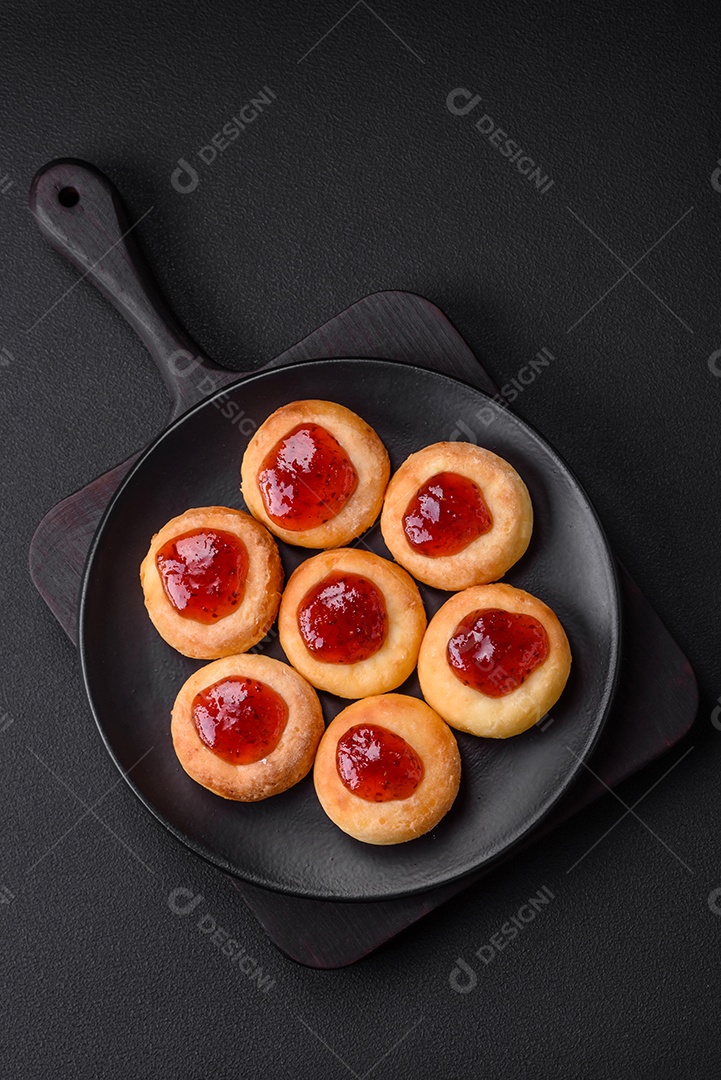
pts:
[358, 178]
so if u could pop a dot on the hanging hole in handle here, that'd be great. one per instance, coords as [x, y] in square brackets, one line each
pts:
[68, 196]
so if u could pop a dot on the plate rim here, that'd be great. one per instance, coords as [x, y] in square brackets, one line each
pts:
[218, 861]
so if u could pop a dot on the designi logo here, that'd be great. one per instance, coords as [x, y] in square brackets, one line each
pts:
[185, 178]
[463, 978]
[460, 102]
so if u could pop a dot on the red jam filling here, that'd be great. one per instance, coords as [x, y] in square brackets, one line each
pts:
[343, 619]
[306, 479]
[241, 720]
[203, 573]
[445, 515]
[376, 764]
[495, 651]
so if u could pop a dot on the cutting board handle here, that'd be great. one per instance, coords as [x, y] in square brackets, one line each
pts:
[81, 213]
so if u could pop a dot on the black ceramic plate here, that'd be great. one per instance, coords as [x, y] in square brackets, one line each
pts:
[287, 843]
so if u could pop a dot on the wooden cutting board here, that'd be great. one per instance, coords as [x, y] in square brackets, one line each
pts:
[656, 700]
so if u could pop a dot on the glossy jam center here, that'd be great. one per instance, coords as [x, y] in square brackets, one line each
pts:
[203, 573]
[376, 764]
[241, 720]
[445, 515]
[343, 619]
[306, 479]
[494, 651]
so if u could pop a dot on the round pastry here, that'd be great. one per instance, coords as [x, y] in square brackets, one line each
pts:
[246, 727]
[456, 515]
[314, 473]
[212, 580]
[387, 769]
[352, 623]
[494, 660]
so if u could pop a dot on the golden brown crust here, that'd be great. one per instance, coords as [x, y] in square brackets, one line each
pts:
[253, 618]
[489, 556]
[360, 442]
[470, 710]
[399, 820]
[394, 661]
[285, 766]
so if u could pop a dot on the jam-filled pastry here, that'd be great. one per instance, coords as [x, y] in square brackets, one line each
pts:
[246, 727]
[456, 515]
[493, 661]
[352, 623]
[314, 473]
[212, 580]
[387, 769]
